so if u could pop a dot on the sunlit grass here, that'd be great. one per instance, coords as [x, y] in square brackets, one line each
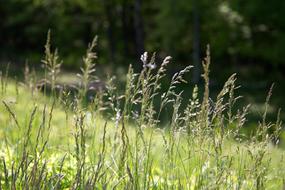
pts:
[114, 140]
[186, 168]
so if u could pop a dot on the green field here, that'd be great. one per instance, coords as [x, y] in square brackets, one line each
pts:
[54, 139]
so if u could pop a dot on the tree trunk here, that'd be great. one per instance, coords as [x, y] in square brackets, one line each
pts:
[138, 26]
[125, 28]
[196, 43]
[110, 19]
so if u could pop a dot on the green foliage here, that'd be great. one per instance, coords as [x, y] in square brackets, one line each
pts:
[239, 30]
[264, 23]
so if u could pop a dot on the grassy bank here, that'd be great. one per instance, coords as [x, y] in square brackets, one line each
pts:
[112, 140]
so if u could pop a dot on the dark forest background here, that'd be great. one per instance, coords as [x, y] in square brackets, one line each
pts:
[246, 37]
[241, 33]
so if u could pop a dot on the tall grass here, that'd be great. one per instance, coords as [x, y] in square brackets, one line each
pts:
[52, 65]
[114, 142]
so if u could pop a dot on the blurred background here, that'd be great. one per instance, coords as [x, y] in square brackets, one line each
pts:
[246, 37]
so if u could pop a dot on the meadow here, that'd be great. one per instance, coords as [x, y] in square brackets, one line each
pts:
[56, 138]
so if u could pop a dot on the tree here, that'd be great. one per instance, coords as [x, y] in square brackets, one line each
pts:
[138, 26]
[196, 42]
[262, 30]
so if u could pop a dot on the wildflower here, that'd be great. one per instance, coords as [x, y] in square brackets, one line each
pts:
[144, 59]
[151, 66]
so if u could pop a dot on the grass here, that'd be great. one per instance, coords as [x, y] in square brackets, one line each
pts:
[114, 140]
